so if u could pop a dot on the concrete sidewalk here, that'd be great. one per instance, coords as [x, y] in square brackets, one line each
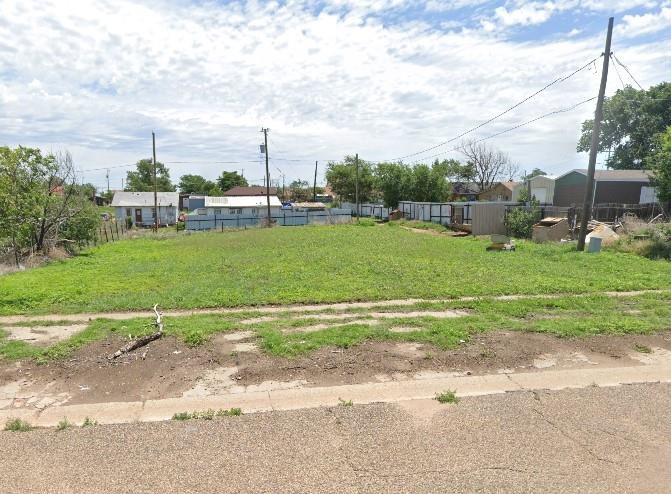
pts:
[656, 370]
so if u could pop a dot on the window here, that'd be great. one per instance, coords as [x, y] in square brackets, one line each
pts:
[153, 212]
[201, 211]
[217, 211]
[255, 211]
[129, 212]
[234, 211]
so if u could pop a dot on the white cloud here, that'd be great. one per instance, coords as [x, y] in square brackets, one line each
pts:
[206, 77]
[637, 25]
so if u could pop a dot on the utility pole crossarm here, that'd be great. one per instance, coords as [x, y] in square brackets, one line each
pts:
[596, 133]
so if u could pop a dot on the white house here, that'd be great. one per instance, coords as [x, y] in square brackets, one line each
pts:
[240, 205]
[140, 207]
[542, 188]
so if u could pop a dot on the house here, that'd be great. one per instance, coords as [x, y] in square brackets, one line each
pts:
[500, 191]
[254, 190]
[610, 187]
[464, 191]
[139, 206]
[239, 205]
[542, 188]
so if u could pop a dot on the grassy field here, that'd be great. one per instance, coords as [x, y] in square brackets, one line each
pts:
[312, 264]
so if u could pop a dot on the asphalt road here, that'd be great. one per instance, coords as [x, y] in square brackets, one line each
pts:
[589, 440]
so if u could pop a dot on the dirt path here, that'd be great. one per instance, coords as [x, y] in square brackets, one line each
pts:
[274, 309]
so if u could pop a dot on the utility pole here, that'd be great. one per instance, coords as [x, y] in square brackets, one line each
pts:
[356, 189]
[122, 184]
[314, 187]
[265, 148]
[596, 133]
[108, 181]
[153, 148]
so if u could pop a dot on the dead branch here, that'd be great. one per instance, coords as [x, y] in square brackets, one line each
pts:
[144, 340]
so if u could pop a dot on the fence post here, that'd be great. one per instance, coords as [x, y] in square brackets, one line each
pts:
[116, 225]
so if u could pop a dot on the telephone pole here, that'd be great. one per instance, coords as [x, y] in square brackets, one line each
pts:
[356, 189]
[314, 187]
[153, 148]
[596, 133]
[108, 181]
[265, 148]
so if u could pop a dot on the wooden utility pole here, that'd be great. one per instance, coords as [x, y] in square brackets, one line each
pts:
[265, 148]
[596, 133]
[356, 186]
[153, 148]
[314, 186]
[108, 181]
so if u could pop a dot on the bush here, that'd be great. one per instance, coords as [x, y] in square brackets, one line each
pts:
[129, 222]
[520, 221]
[365, 222]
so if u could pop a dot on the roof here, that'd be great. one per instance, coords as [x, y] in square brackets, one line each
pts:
[308, 205]
[254, 190]
[465, 188]
[508, 185]
[132, 199]
[240, 201]
[615, 175]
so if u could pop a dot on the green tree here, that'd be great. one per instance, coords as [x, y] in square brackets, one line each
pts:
[395, 181]
[195, 184]
[341, 176]
[142, 179]
[430, 183]
[536, 172]
[300, 190]
[632, 121]
[661, 165]
[228, 180]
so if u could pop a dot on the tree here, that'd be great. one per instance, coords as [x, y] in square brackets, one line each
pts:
[632, 120]
[661, 165]
[195, 184]
[341, 176]
[142, 179]
[489, 165]
[228, 180]
[42, 205]
[300, 190]
[456, 171]
[395, 182]
[536, 172]
[429, 184]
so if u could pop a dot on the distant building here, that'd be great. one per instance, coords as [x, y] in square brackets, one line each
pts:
[254, 190]
[139, 206]
[498, 192]
[464, 191]
[610, 187]
[542, 188]
[240, 205]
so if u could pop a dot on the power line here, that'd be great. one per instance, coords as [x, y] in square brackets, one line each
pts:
[618, 73]
[523, 124]
[627, 70]
[547, 86]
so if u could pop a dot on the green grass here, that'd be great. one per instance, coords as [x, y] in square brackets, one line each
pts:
[312, 264]
[208, 414]
[18, 425]
[447, 397]
[565, 316]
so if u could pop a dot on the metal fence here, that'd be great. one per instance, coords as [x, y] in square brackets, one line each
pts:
[329, 216]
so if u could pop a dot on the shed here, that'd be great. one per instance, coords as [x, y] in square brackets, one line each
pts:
[500, 191]
[610, 187]
[550, 230]
[542, 188]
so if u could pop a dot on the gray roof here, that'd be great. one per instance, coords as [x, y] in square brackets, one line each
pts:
[145, 199]
[617, 175]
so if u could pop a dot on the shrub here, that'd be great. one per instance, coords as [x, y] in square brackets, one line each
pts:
[17, 425]
[365, 222]
[129, 222]
[520, 221]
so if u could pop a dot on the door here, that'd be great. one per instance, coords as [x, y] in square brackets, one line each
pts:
[138, 216]
[540, 193]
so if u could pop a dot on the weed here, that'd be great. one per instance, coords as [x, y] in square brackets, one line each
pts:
[18, 425]
[63, 424]
[89, 423]
[344, 403]
[182, 416]
[642, 348]
[232, 412]
[447, 397]
[208, 414]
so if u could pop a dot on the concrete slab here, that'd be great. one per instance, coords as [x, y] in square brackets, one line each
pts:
[103, 413]
[156, 410]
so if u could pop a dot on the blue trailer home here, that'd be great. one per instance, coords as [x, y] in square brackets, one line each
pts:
[139, 206]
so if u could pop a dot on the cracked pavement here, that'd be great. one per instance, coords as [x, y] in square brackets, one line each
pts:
[581, 440]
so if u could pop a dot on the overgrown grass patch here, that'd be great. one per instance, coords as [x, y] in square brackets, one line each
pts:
[316, 265]
[18, 425]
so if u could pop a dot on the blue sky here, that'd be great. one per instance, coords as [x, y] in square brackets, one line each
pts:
[384, 78]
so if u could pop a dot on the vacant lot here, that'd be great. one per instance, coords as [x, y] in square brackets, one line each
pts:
[312, 264]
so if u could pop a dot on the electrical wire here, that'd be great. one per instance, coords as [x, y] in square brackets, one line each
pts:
[547, 86]
[627, 70]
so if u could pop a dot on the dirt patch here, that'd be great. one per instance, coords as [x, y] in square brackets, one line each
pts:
[171, 369]
[43, 335]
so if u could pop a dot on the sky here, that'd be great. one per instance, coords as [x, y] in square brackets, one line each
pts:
[382, 78]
